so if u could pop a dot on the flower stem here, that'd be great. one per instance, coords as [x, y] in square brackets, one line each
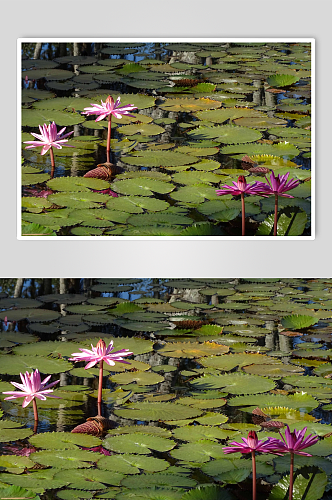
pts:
[108, 147]
[253, 458]
[243, 215]
[291, 477]
[100, 387]
[275, 214]
[35, 411]
[52, 162]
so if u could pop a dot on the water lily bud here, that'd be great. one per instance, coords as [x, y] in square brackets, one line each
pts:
[101, 344]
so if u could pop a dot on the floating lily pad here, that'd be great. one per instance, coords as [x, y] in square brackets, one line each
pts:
[235, 383]
[65, 459]
[159, 158]
[227, 134]
[157, 411]
[13, 365]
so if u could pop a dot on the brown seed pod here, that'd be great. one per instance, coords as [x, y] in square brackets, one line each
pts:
[193, 324]
[103, 171]
[259, 170]
[273, 424]
[96, 426]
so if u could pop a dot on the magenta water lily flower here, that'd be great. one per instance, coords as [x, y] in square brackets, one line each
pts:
[252, 445]
[49, 137]
[241, 187]
[32, 387]
[279, 185]
[101, 353]
[294, 442]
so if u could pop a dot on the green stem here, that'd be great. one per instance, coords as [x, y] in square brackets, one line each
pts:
[253, 459]
[275, 214]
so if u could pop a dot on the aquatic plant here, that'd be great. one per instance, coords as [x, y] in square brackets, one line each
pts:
[251, 445]
[278, 186]
[32, 387]
[109, 108]
[293, 442]
[241, 188]
[99, 354]
[49, 137]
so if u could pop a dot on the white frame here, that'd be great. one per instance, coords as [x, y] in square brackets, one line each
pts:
[169, 40]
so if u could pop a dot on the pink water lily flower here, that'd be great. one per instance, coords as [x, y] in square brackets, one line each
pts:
[279, 185]
[32, 388]
[250, 444]
[49, 137]
[109, 107]
[294, 442]
[240, 187]
[101, 353]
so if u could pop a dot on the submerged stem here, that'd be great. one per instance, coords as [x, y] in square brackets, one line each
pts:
[243, 215]
[100, 386]
[275, 214]
[253, 459]
[291, 478]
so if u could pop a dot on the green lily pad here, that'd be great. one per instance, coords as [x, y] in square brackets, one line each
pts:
[131, 464]
[235, 383]
[290, 223]
[138, 443]
[227, 134]
[158, 158]
[35, 117]
[142, 186]
[13, 365]
[309, 481]
[141, 378]
[65, 459]
[136, 204]
[76, 184]
[157, 411]
[63, 440]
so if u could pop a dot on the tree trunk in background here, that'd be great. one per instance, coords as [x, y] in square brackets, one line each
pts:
[62, 285]
[37, 51]
[18, 287]
[62, 49]
[74, 285]
[46, 286]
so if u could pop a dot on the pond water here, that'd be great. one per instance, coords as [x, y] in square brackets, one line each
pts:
[207, 354]
[202, 108]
